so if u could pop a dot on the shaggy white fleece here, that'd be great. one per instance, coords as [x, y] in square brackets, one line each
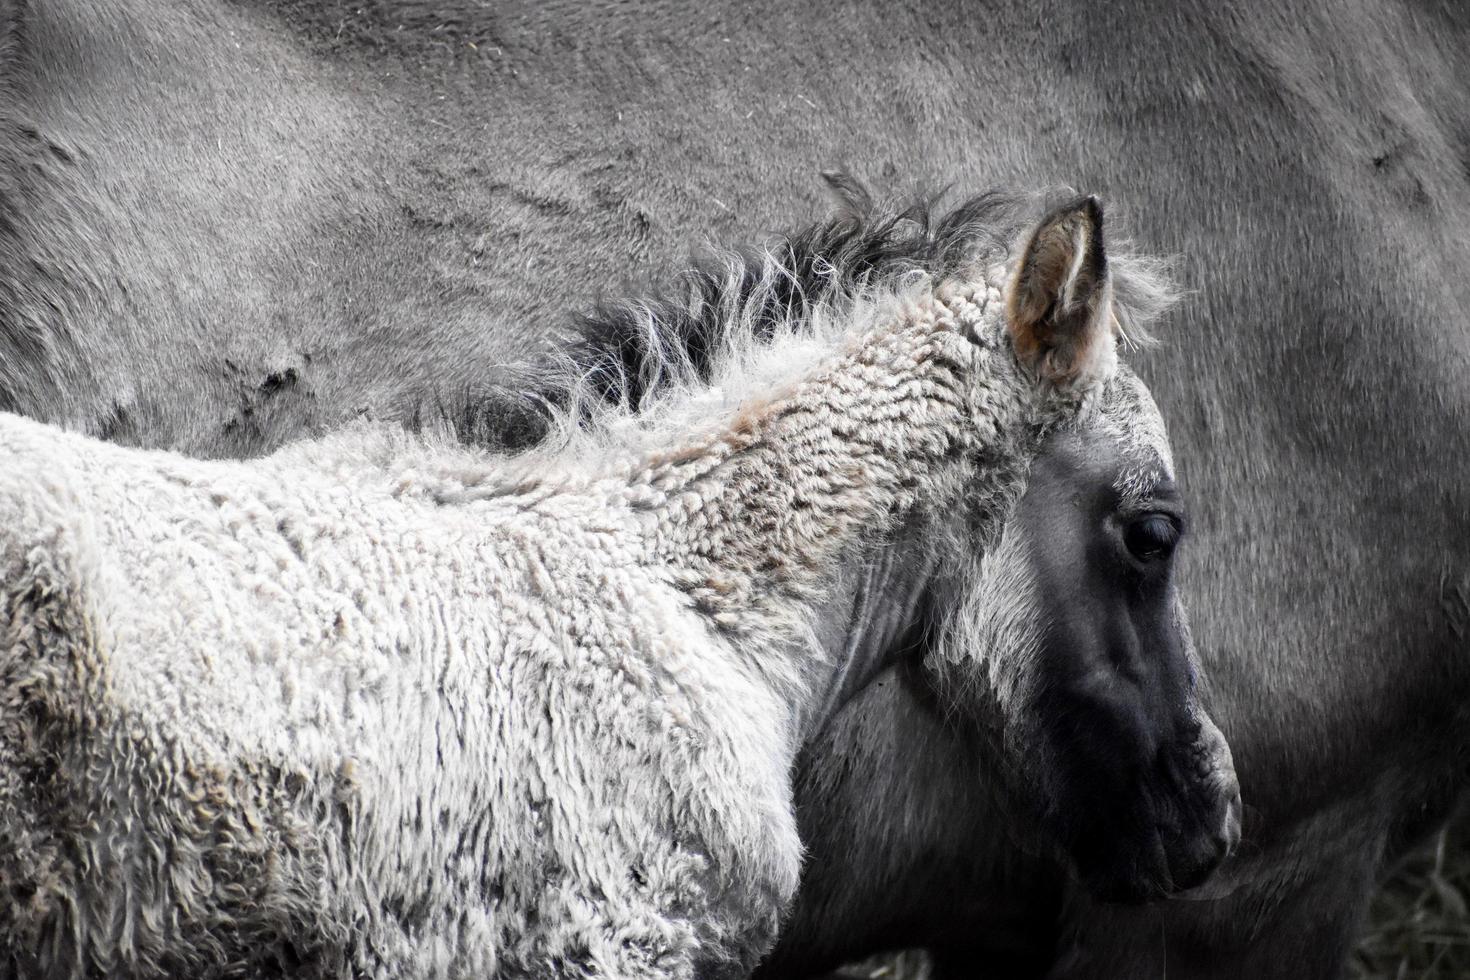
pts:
[376, 706]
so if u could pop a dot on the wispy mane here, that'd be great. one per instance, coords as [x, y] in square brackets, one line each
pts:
[630, 348]
[630, 358]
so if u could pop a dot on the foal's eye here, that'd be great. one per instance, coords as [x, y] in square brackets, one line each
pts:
[1152, 537]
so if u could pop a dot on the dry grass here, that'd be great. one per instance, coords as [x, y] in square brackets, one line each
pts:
[911, 965]
[1419, 927]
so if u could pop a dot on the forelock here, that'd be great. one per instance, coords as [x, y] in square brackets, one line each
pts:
[1127, 415]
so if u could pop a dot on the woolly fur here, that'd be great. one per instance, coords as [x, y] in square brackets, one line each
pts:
[377, 705]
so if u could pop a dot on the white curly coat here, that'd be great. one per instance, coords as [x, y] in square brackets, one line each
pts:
[379, 706]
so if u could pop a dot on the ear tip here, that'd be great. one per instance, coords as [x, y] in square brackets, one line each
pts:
[1088, 207]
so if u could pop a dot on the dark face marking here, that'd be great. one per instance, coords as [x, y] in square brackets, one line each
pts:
[1136, 781]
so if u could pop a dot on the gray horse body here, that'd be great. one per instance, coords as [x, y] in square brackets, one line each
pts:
[279, 216]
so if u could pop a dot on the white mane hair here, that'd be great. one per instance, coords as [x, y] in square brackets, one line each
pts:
[1144, 290]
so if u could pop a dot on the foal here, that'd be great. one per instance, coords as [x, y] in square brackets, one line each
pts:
[375, 706]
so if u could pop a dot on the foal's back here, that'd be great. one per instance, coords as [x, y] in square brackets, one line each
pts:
[379, 730]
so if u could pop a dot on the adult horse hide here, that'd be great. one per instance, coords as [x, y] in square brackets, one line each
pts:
[226, 224]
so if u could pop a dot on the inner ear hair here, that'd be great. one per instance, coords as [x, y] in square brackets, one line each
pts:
[1058, 298]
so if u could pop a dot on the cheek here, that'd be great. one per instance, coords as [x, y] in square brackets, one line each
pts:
[993, 636]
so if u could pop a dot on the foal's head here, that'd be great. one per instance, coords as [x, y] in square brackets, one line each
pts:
[1040, 592]
[1066, 639]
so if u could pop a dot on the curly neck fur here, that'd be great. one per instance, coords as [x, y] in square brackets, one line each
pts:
[922, 417]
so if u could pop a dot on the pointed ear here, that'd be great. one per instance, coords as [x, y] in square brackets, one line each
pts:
[1059, 304]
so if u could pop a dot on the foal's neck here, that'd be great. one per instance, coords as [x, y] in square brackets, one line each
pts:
[753, 520]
